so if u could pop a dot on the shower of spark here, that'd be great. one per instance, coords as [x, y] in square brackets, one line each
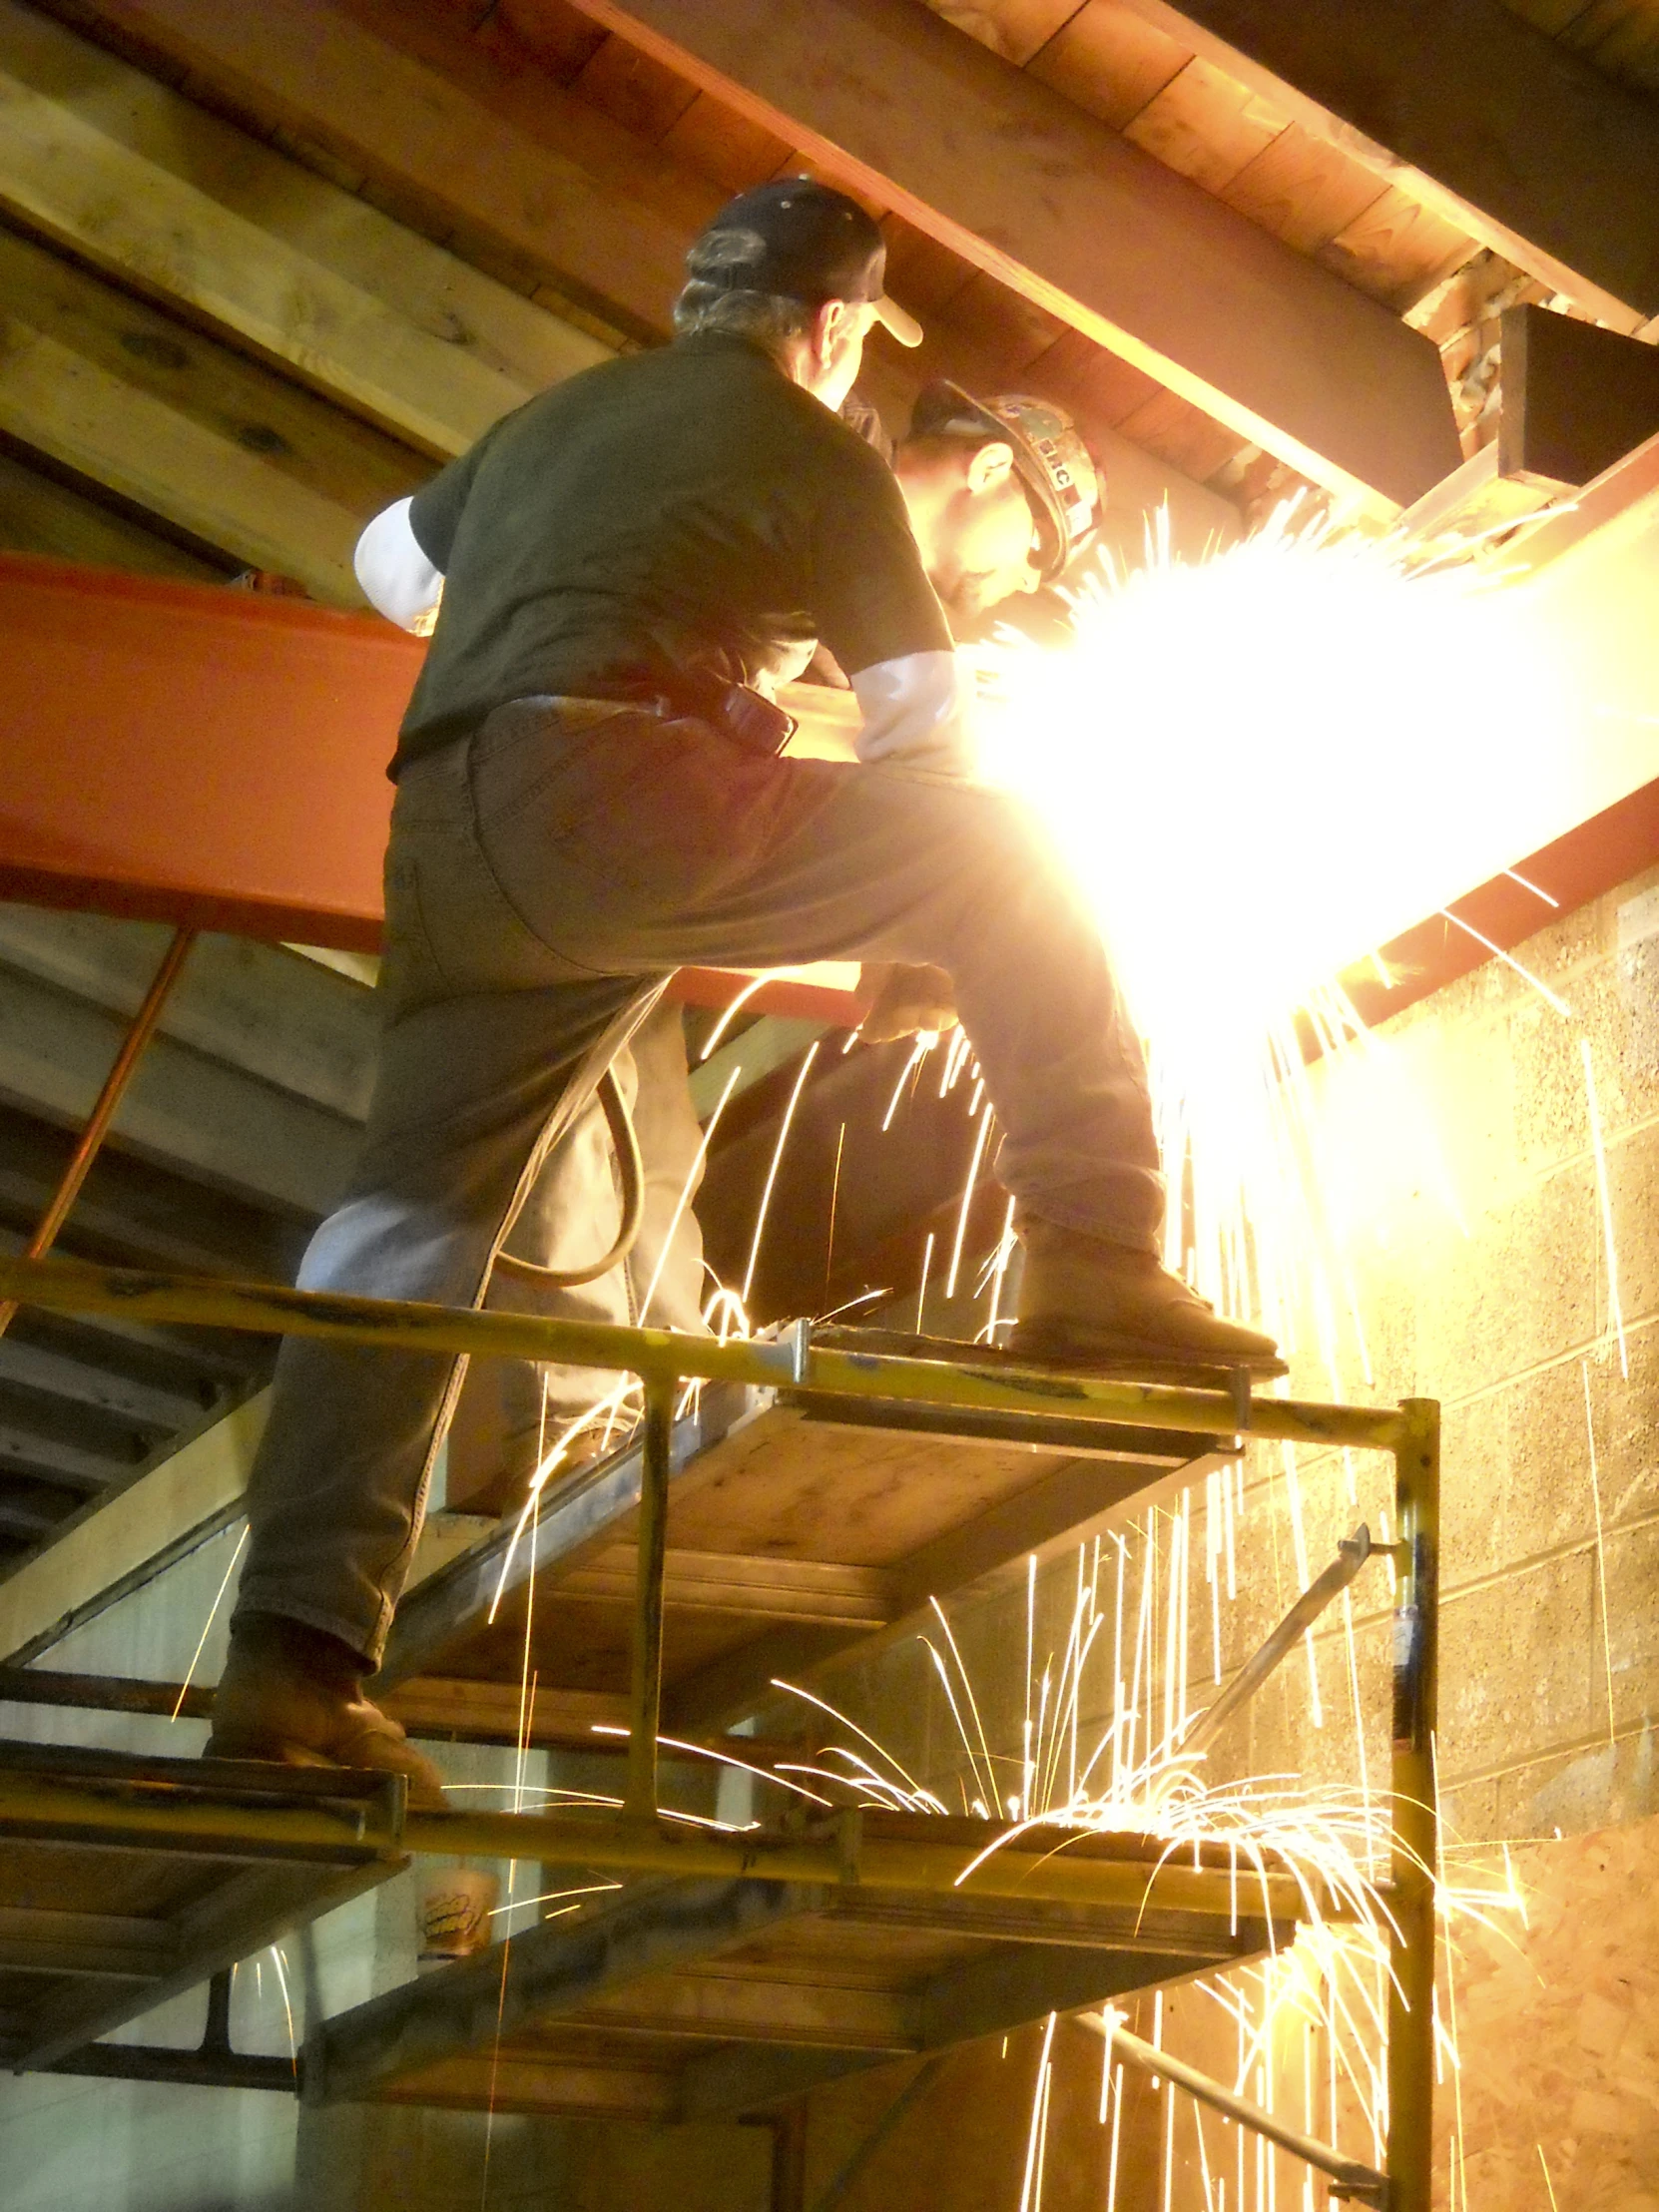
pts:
[1094, 1741]
[1260, 769]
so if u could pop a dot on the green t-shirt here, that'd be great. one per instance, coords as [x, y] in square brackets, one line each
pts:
[683, 508]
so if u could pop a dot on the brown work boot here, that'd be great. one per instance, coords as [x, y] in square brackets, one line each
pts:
[293, 1696]
[1082, 1298]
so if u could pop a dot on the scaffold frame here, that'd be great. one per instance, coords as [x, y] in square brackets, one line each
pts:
[856, 1848]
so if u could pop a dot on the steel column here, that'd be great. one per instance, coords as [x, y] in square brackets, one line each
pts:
[646, 1699]
[104, 1107]
[1414, 1819]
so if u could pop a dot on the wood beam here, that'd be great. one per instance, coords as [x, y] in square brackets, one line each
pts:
[1054, 1512]
[206, 1120]
[40, 514]
[1011, 1984]
[142, 1404]
[1038, 1920]
[487, 154]
[107, 1946]
[551, 1972]
[748, 2008]
[812, 1591]
[508, 161]
[1576, 399]
[160, 193]
[313, 1034]
[27, 1455]
[1003, 1990]
[493, 1712]
[1509, 134]
[577, 1519]
[542, 2087]
[111, 388]
[156, 1218]
[992, 164]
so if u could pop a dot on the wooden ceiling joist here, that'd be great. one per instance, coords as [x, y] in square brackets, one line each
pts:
[222, 234]
[41, 514]
[1513, 136]
[513, 168]
[989, 161]
[127, 173]
[122, 394]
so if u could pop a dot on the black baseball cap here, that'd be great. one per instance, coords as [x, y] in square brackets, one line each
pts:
[803, 240]
[1050, 458]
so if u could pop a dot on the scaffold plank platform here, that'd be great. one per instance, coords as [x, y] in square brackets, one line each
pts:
[101, 1921]
[797, 1528]
[718, 1999]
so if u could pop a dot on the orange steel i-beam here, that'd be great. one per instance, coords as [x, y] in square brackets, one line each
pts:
[91, 1140]
[217, 759]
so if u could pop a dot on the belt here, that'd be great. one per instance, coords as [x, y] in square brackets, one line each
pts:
[738, 711]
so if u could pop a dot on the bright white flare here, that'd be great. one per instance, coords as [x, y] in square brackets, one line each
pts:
[1262, 766]
[1273, 761]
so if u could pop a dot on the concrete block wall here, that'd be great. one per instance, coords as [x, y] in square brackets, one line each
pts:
[1481, 1273]
[1478, 1247]
[1502, 1304]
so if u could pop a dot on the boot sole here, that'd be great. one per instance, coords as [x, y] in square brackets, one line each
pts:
[1123, 1360]
[424, 1796]
[1134, 1359]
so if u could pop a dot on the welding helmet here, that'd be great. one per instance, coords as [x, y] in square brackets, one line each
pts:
[802, 240]
[1052, 462]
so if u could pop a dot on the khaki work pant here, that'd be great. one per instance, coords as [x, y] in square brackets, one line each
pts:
[542, 876]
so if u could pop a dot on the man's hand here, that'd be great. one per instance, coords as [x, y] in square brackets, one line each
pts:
[903, 1000]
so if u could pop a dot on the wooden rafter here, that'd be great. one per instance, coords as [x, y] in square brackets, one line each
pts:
[408, 85]
[518, 170]
[129, 175]
[111, 388]
[1514, 136]
[981, 157]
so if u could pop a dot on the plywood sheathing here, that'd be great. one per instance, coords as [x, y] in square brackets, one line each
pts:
[1558, 2032]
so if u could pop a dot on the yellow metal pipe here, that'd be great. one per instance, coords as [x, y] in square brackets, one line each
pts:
[616, 1843]
[1414, 1814]
[660, 1355]
[644, 1704]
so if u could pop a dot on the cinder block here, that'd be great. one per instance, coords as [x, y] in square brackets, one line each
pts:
[1469, 1813]
[1522, 1286]
[1574, 1791]
[1516, 1665]
[1632, 1165]
[1631, 1560]
[1547, 1066]
[1616, 1005]
[1565, 943]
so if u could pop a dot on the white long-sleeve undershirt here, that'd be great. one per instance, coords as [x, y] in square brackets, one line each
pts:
[919, 709]
[398, 580]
